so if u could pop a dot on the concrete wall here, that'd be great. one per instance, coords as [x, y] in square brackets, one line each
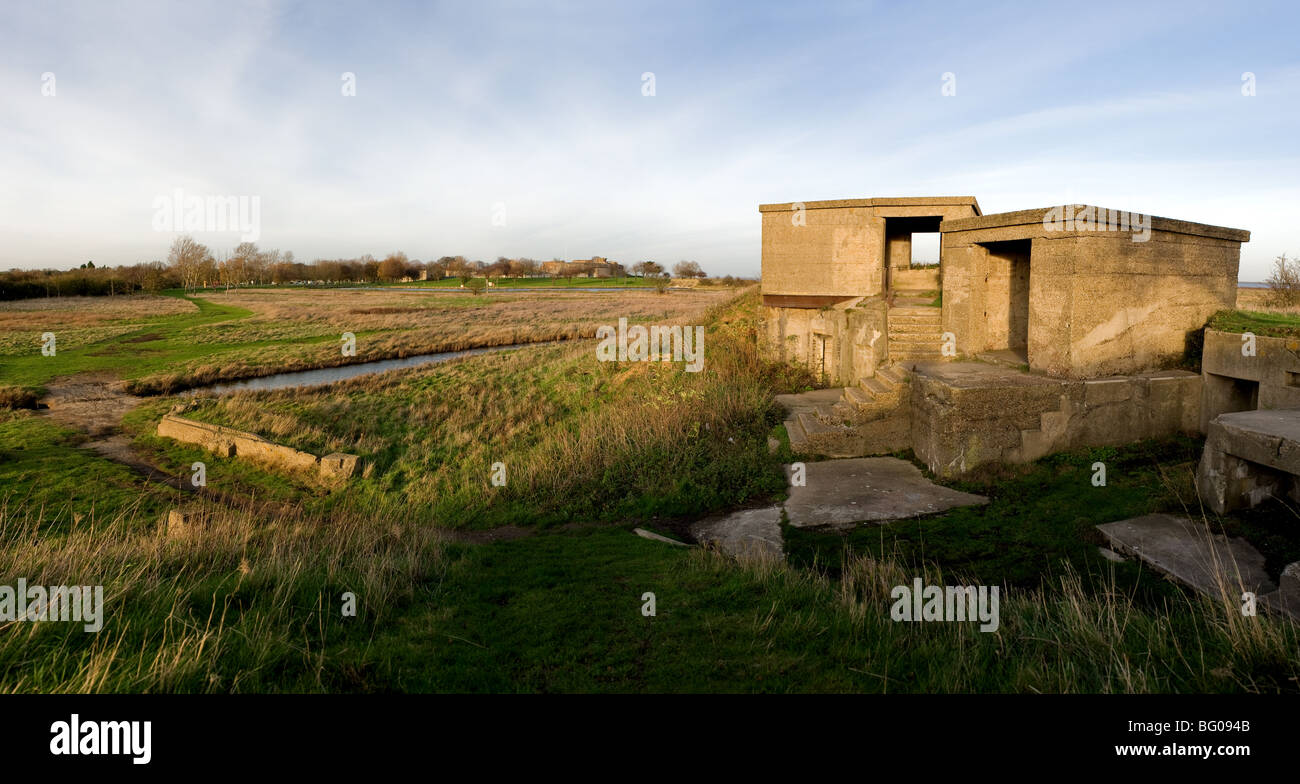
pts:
[1099, 302]
[967, 414]
[1235, 382]
[836, 251]
[227, 442]
[856, 338]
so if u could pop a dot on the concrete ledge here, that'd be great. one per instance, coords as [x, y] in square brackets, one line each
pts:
[1036, 216]
[228, 442]
[1250, 456]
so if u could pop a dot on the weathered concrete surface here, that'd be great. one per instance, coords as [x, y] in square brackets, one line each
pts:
[227, 442]
[1188, 553]
[1286, 599]
[1250, 456]
[968, 413]
[827, 266]
[1236, 382]
[748, 533]
[1089, 300]
[868, 489]
[183, 522]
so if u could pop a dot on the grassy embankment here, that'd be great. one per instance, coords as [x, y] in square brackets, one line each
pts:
[254, 604]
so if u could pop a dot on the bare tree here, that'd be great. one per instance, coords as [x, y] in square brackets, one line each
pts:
[687, 269]
[187, 257]
[1284, 281]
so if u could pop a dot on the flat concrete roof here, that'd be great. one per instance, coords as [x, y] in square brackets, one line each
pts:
[901, 201]
[1036, 216]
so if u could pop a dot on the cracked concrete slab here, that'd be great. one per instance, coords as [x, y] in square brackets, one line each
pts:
[1188, 553]
[868, 489]
[748, 533]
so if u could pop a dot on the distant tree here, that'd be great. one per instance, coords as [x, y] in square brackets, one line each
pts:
[661, 283]
[190, 261]
[436, 270]
[498, 268]
[393, 267]
[687, 269]
[647, 269]
[476, 285]
[1284, 282]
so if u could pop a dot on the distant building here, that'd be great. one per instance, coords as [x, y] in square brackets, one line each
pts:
[594, 267]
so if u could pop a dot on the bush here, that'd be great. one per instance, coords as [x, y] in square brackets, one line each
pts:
[1284, 282]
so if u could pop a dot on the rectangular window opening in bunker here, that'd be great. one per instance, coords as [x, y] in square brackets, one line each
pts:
[1228, 395]
[1006, 304]
[901, 274]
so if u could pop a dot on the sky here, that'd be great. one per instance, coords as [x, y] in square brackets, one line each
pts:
[628, 130]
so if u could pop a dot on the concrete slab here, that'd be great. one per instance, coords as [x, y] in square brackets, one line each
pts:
[1188, 553]
[868, 489]
[748, 533]
[1286, 599]
[654, 537]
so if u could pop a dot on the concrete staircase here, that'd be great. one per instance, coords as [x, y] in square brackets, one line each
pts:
[1048, 437]
[852, 421]
[915, 328]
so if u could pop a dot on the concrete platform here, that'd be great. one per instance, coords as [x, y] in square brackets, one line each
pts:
[748, 533]
[868, 489]
[1187, 552]
[1250, 456]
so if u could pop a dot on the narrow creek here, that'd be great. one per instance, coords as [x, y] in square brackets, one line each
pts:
[320, 376]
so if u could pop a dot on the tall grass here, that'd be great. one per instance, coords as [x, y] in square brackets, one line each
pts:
[243, 603]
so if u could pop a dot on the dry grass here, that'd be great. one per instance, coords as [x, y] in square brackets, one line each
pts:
[231, 607]
[1262, 300]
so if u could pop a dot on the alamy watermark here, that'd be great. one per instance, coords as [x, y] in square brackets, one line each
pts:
[66, 603]
[1085, 217]
[651, 344]
[181, 213]
[919, 602]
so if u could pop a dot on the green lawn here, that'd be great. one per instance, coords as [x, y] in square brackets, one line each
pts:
[1284, 325]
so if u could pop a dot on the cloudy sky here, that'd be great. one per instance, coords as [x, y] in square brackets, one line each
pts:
[537, 115]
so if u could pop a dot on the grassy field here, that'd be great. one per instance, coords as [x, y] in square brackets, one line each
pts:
[163, 344]
[537, 585]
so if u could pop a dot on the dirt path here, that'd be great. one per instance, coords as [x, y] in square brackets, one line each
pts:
[94, 404]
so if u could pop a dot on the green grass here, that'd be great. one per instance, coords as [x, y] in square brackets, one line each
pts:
[536, 283]
[44, 468]
[1282, 325]
[166, 344]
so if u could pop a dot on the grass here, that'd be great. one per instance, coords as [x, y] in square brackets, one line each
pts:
[1268, 324]
[634, 439]
[253, 601]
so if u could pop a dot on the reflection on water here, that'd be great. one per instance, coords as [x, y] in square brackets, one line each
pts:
[312, 378]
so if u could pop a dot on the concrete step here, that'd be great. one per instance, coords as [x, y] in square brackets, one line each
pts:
[876, 386]
[858, 396]
[892, 373]
[917, 356]
[915, 343]
[915, 310]
[796, 433]
[915, 329]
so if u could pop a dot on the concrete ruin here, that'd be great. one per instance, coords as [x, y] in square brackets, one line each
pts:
[1248, 374]
[1250, 456]
[227, 442]
[1039, 331]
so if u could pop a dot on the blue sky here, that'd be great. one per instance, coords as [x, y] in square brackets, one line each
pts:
[537, 113]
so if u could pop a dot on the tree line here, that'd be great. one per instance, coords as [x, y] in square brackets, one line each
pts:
[190, 265]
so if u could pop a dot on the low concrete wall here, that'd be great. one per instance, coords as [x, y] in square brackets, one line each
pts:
[856, 338]
[1250, 456]
[228, 442]
[1235, 382]
[965, 414]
